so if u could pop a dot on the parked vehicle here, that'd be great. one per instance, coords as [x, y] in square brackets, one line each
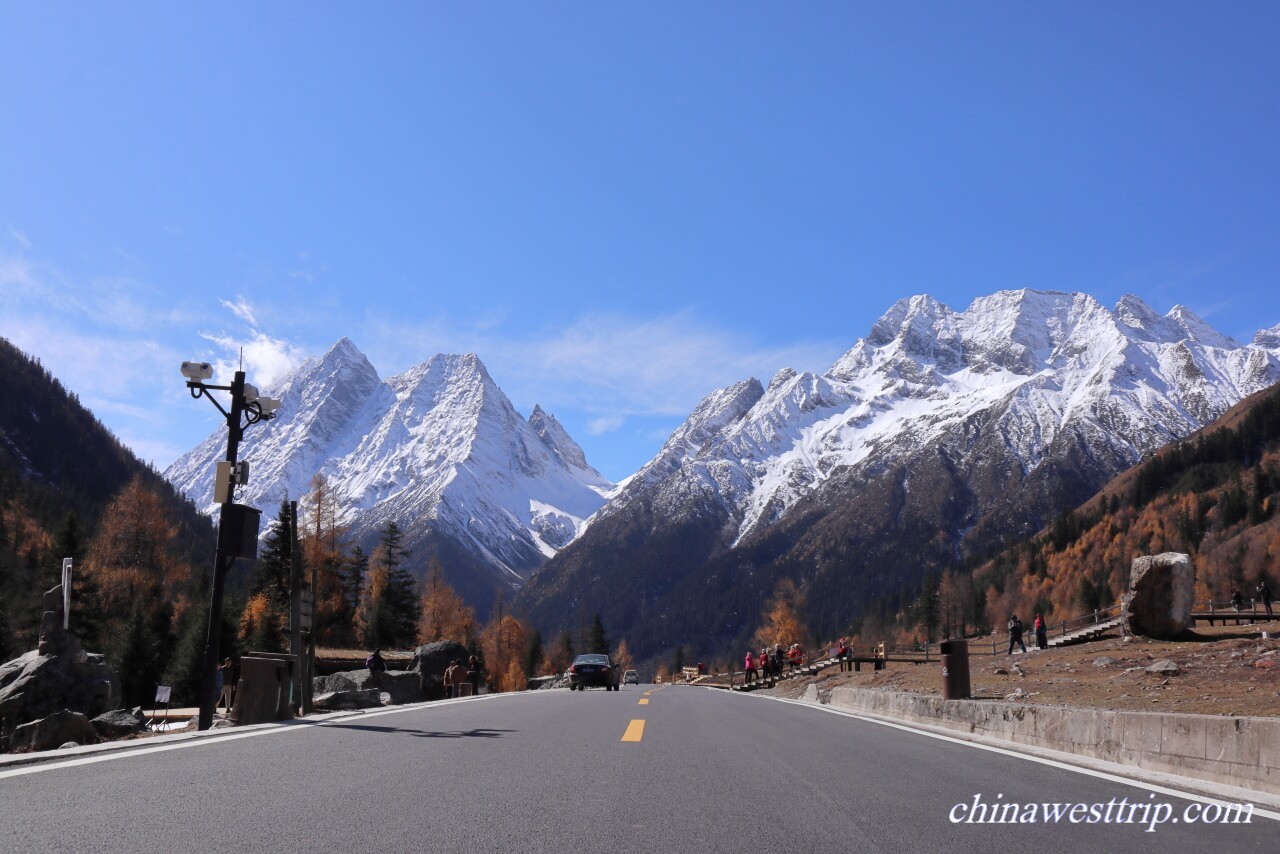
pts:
[593, 671]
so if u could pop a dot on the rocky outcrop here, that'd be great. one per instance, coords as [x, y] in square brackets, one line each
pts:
[399, 686]
[336, 701]
[429, 663]
[59, 674]
[1161, 593]
[54, 731]
[120, 723]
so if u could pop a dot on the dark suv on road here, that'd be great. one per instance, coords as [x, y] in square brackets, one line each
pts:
[593, 671]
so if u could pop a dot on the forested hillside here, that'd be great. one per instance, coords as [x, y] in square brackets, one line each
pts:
[69, 488]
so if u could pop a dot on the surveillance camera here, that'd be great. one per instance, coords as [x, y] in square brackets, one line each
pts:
[250, 393]
[197, 370]
[269, 405]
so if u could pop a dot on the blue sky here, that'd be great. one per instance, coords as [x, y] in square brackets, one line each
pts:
[620, 206]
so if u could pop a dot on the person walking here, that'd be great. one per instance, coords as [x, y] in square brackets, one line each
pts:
[475, 669]
[1264, 594]
[1015, 633]
[376, 666]
[1237, 600]
[796, 656]
[1042, 632]
[749, 667]
[228, 685]
[843, 654]
[452, 676]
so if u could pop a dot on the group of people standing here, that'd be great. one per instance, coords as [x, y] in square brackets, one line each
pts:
[768, 664]
[1263, 596]
[1016, 628]
[456, 675]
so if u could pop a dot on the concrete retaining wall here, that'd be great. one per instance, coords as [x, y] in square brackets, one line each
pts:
[1237, 751]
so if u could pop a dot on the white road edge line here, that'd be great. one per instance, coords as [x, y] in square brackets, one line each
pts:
[1053, 763]
[299, 725]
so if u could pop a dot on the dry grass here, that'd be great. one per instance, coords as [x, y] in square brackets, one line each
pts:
[1227, 670]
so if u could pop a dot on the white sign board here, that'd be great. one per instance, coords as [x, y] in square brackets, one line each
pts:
[162, 694]
[66, 593]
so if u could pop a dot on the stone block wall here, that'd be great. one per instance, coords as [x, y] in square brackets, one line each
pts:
[1237, 751]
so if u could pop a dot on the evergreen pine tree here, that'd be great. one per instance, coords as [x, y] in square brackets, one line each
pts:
[400, 597]
[8, 646]
[87, 620]
[271, 575]
[183, 670]
[597, 640]
[357, 568]
[533, 659]
[133, 660]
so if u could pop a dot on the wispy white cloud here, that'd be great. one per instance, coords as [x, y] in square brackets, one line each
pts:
[266, 358]
[117, 340]
[19, 238]
[604, 424]
[241, 309]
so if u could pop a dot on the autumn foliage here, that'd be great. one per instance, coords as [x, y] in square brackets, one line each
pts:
[780, 623]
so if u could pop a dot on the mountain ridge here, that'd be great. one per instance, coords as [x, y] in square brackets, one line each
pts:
[438, 449]
[938, 433]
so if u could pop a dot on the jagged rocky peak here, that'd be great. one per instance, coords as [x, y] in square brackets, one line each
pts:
[557, 440]
[1198, 330]
[438, 447]
[1268, 338]
[718, 410]
[1133, 312]
[342, 364]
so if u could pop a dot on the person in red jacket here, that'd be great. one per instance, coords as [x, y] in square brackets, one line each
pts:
[749, 667]
[1042, 632]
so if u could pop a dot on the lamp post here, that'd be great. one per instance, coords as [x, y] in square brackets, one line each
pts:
[247, 407]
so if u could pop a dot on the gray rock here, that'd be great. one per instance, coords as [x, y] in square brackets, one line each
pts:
[54, 731]
[121, 723]
[1163, 667]
[1161, 592]
[1103, 661]
[429, 663]
[34, 686]
[335, 701]
[401, 686]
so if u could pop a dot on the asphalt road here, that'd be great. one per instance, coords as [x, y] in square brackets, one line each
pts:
[552, 771]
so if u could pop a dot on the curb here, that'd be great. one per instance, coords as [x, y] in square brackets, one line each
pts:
[15, 760]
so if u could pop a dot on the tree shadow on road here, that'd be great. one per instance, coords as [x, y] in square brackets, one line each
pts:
[424, 733]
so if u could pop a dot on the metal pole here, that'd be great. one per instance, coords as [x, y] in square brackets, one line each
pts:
[295, 604]
[223, 558]
[308, 685]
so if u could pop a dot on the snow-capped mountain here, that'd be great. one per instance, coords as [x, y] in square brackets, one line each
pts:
[935, 433]
[439, 449]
